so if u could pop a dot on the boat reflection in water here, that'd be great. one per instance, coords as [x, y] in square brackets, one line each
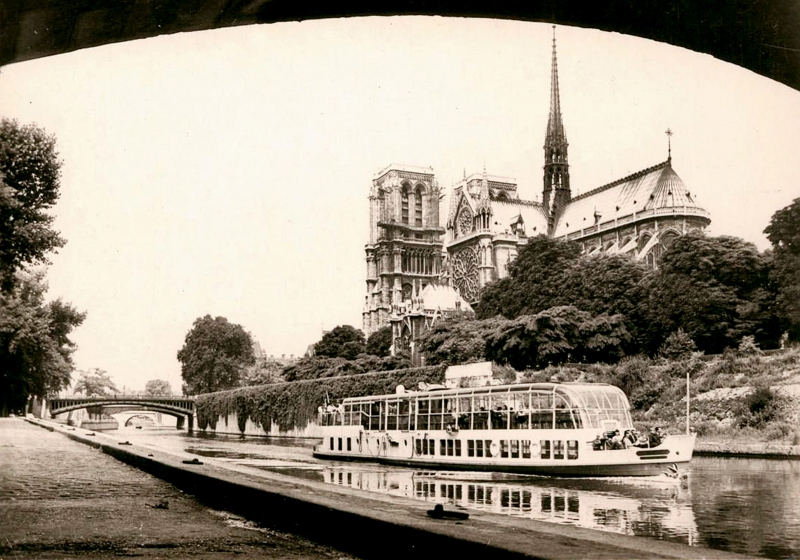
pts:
[659, 507]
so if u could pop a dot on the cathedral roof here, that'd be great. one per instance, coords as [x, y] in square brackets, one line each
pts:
[652, 189]
[507, 212]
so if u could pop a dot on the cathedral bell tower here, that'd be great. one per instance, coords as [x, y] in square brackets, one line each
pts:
[404, 253]
[556, 194]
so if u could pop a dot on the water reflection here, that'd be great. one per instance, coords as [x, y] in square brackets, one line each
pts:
[659, 508]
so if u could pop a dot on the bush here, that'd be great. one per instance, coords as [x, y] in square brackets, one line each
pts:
[677, 346]
[748, 347]
[760, 407]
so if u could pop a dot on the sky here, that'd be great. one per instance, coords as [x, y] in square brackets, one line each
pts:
[226, 172]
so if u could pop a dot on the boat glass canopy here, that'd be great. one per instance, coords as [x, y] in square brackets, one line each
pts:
[520, 406]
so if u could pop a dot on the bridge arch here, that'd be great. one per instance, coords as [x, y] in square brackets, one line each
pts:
[180, 407]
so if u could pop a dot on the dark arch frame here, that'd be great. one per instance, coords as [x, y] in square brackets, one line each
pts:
[760, 36]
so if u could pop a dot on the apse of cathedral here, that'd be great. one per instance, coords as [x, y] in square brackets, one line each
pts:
[419, 270]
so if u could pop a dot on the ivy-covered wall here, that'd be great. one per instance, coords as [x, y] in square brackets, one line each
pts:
[293, 405]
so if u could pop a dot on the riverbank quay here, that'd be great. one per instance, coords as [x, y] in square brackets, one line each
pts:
[60, 499]
[370, 525]
[756, 450]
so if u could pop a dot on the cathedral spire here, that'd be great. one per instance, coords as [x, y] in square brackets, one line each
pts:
[555, 127]
[556, 193]
[485, 184]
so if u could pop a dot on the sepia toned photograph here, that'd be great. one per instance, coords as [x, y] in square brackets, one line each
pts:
[392, 285]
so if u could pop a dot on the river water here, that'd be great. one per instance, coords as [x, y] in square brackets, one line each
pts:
[750, 506]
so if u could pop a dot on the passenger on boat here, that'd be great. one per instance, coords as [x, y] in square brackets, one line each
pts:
[617, 441]
[656, 437]
[629, 438]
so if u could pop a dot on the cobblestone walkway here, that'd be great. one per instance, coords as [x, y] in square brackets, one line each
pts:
[62, 499]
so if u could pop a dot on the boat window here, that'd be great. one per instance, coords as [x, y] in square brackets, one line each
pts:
[545, 446]
[349, 446]
[572, 449]
[443, 447]
[500, 413]
[504, 448]
[558, 449]
[487, 446]
[391, 415]
[375, 416]
[597, 403]
[515, 449]
[331, 444]
[450, 447]
[526, 449]
[340, 444]
[479, 448]
[480, 414]
[423, 405]
[418, 446]
[458, 447]
[403, 417]
[431, 447]
[436, 413]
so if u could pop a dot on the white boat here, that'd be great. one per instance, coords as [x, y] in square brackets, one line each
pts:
[554, 429]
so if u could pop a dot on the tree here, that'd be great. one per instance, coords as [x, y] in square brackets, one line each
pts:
[158, 388]
[264, 371]
[783, 232]
[343, 341]
[455, 340]
[535, 281]
[677, 346]
[35, 349]
[214, 355]
[555, 336]
[29, 185]
[379, 343]
[95, 383]
[714, 289]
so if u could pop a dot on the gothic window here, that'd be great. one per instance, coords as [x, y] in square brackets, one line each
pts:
[407, 289]
[465, 273]
[418, 207]
[464, 221]
[404, 205]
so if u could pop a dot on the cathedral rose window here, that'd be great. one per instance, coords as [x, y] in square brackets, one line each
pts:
[464, 221]
[465, 273]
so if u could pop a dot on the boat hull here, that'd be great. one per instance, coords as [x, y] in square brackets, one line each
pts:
[571, 471]
[667, 458]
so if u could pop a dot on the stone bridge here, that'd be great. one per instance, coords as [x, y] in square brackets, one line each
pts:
[180, 407]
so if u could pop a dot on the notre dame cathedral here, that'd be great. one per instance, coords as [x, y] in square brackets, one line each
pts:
[420, 267]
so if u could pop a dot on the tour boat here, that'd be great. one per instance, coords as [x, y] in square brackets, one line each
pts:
[553, 429]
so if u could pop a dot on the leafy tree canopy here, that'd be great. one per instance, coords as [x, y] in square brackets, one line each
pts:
[555, 336]
[714, 289]
[35, 349]
[95, 382]
[677, 346]
[214, 355]
[535, 280]
[316, 367]
[158, 388]
[379, 343]
[783, 232]
[264, 371]
[29, 185]
[455, 340]
[343, 341]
